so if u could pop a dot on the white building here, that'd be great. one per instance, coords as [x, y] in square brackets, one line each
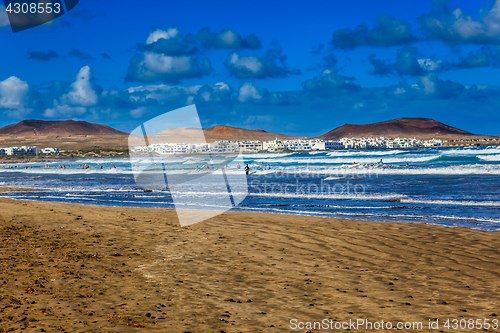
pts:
[327, 145]
[433, 143]
[276, 145]
[298, 145]
[50, 150]
[271, 146]
[20, 150]
[223, 147]
[250, 146]
[189, 148]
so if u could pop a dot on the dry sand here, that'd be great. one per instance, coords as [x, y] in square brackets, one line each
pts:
[77, 268]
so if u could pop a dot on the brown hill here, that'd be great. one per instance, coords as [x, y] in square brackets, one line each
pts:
[421, 128]
[27, 128]
[216, 133]
[67, 134]
[234, 133]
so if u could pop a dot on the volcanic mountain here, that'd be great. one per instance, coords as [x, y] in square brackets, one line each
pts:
[421, 128]
[67, 134]
[28, 128]
[234, 133]
[216, 133]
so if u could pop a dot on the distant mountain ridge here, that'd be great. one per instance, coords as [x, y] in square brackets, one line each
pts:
[235, 133]
[215, 133]
[30, 127]
[69, 134]
[422, 128]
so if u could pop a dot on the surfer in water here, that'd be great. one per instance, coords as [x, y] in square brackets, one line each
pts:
[247, 169]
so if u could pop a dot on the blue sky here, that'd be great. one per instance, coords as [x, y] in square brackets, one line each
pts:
[294, 67]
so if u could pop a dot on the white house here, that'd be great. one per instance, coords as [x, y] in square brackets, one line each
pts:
[50, 150]
[297, 144]
[327, 145]
[275, 145]
[250, 146]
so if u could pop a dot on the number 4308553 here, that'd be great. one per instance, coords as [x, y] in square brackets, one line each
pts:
[471, 324]
[34, 8]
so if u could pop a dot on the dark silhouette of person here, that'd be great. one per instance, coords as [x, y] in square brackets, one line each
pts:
[247, 169]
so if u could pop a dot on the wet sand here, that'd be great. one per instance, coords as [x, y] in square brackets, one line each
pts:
[76, 268]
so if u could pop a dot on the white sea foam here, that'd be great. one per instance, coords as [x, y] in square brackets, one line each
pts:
[377, 169]
[334, 178]
[342, 160]
[453, 202]
[492, 158]
[354, 196]
[366, 153]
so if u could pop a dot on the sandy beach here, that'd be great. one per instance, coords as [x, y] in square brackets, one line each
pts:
[76, 268]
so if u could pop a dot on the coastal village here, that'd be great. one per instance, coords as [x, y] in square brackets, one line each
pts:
[277, 145]
[28, 150]
[299, 145]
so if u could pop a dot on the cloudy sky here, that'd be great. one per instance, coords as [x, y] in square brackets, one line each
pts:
[294, 67]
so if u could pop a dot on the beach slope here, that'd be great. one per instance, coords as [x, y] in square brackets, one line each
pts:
[79, 268]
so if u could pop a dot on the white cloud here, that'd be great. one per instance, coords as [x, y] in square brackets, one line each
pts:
[13, 93]
[161, 93]
[430, 64]
[249, 93]
[158, 33]
[158, 67]
[219, 92]
[138, 113]
[82, 91]
[64, 111]
[229, 38]
[429, 85]
[14, 96]
[458, 27]
[165, 64]
[400, 91]
[250, 63]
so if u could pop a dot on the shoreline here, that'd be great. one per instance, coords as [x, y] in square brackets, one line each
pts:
[6, 159]
[111, 269]
[282, 214]
[33, 159]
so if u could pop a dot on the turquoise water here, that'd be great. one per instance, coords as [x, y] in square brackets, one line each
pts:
[453, 187]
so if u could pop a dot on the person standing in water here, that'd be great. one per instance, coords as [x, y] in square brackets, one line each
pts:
[247, 169]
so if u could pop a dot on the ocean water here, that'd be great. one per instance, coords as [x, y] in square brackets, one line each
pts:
[452, 187]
